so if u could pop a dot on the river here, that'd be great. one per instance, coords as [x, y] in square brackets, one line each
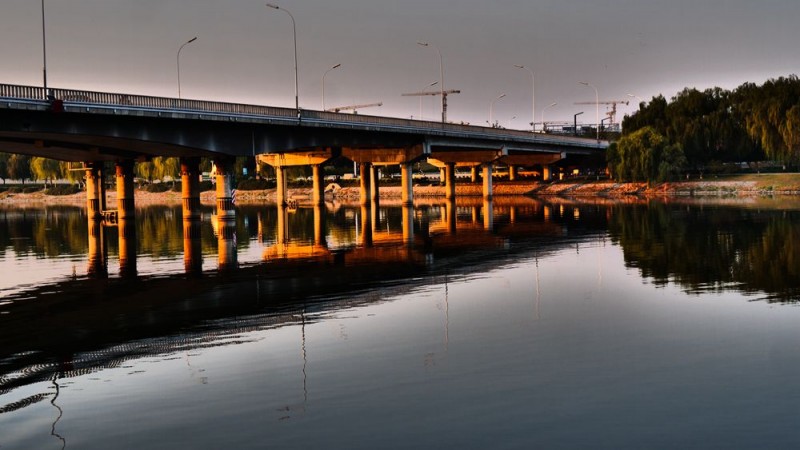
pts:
[525, 323]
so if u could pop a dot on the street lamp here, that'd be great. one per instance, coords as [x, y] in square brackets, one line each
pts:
[533, 95]
[294, 33]
[575, 123]
[544, 126]
[44, 54]
[323, 83]
[596, 104]
[491, 109]
[178, 61]
[441, 76]
[420, 97]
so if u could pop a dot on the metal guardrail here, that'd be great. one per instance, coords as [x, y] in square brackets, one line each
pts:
[185, 105]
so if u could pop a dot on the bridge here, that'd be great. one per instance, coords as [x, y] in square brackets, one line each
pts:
[95, 127]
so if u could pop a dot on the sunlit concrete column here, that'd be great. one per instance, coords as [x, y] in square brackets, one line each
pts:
[318, 189]
[125, 199]
[488, 213]
[442, 175]
[450, 216]
[450, 180]
[407, 189]
[487, 181]
[190, 201]
[190, 188]
[473, 174]
[225, 208]
[374, 184]
[97, 267]
[280, 185]
[94, 181]
[126, 228]
[512, 173]
[547, 174]
[408, 224]
[365, 184]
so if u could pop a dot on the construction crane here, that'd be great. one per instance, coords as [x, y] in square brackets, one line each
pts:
[611, 114]
[444, 95]
[354, 108]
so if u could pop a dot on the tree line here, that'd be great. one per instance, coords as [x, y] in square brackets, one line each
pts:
[697, 131]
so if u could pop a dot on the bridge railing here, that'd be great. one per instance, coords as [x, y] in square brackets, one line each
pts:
[190, 106]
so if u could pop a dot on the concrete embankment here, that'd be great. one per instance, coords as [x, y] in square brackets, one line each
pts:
[736, 186]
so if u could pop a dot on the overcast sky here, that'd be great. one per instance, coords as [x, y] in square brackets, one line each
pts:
[244, 50]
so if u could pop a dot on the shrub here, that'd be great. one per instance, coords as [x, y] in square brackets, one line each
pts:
[31, 189]
[63, 189]
[14, 190]
[156, 187]
[254, 185]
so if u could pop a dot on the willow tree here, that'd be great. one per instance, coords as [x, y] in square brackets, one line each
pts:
[45, 169]
[645, 155]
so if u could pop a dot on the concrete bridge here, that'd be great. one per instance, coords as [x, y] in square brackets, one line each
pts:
[94, 127]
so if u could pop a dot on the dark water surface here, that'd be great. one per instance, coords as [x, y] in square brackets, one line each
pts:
[525, 324]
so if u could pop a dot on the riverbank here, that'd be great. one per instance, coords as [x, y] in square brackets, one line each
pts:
[748, 185]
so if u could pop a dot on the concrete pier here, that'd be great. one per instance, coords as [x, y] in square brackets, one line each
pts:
[487, 181]
[407, 190]
[365, 183]
[95, 194]
[126, 208]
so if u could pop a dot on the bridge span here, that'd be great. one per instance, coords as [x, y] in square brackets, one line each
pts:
[94, 127]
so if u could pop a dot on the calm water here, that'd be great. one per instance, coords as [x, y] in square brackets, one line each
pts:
[533, 324]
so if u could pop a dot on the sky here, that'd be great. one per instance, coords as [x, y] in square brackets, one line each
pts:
[244, 51]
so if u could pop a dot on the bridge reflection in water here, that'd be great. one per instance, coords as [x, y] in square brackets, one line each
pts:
[375, 232]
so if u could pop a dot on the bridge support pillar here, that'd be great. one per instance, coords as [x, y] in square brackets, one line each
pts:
[473, 175]
[190, 188]
[547, 173]
[95, 193]
[280, 186]
[450, 180]
[512, 173]
[125, 197]
[366, 184]
[487, 181]
[318, 189]
[225, 208]
[407, 190]
[190, 199]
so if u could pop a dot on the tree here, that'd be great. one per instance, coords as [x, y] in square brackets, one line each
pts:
[645, 155]
[19, 167]
[4, 166]
[45, 169]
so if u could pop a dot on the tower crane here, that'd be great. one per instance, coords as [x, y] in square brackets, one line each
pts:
[354, 108]
[444, 95]
[611, 114]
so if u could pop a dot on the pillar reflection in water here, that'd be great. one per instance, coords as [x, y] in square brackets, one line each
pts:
[282, 229]
[97, 267]
[408, 224]
[319, 226]
[127, 247]
[450, 216]
[192, 247]
[226, 245]
[488, 214]
[366, 226]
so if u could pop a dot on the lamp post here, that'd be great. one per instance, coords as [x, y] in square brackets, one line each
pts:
[596, 104]
[323, 83]
[575, 123]
[533, 95]
[178, 61]
[294, 34]
[44, 54]
[491, 109]
[441, 76]
[420, 97]
[544, 126]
